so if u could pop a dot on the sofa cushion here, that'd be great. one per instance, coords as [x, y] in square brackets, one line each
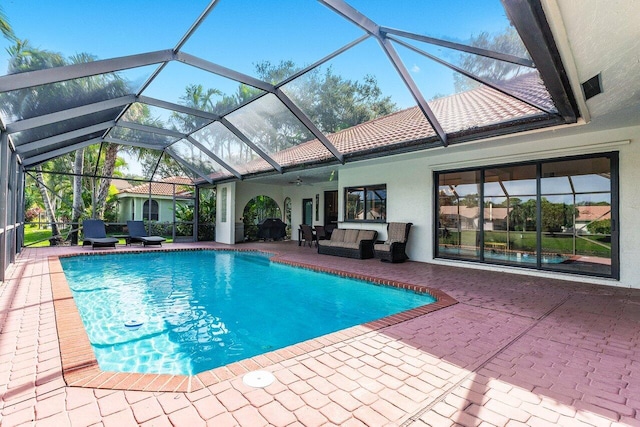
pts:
[396, 232]
[351, 245]
[366, 235]
[382, 247]
[338, 235]
[351, 236]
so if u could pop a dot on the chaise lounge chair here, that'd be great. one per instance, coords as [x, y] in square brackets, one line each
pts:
[95, 234]
[138, 234]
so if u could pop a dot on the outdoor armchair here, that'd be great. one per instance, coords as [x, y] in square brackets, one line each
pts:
[394, 248]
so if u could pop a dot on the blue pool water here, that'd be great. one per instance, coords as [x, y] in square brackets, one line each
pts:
[512, 257]
[204, 309]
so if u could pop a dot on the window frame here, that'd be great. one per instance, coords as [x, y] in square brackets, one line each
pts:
[366, 189]
[155, 206]
[615, 222]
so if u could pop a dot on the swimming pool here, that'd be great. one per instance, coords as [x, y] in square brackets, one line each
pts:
[202, 309]
[510, 257]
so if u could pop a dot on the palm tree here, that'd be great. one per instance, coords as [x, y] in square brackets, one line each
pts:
[5, 27]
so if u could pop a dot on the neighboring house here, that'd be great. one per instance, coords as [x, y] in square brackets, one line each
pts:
[155, 203]
[589, 214]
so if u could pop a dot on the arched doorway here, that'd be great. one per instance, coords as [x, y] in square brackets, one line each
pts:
[256, 210]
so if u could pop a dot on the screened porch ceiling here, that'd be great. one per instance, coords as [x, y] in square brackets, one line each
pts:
[204, 103]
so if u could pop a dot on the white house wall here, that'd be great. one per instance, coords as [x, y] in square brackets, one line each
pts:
[409, 180]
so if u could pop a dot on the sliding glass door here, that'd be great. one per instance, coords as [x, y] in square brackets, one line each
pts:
[558, 215]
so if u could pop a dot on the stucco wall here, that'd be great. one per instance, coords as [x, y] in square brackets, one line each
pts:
[409, 180]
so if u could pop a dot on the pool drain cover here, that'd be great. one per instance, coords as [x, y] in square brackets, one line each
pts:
[258, 379]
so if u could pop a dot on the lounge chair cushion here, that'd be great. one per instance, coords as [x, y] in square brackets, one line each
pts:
[95, 234]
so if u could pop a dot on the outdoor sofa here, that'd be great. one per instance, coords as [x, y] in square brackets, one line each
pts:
[349, 243]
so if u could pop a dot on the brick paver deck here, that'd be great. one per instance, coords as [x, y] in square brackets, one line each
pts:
[515, 350]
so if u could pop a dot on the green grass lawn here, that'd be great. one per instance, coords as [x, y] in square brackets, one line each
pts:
[526, 242]
[35, 237]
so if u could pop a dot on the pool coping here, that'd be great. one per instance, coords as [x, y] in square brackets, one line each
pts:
[80, 367]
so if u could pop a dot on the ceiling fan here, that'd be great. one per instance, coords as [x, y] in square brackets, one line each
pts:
[298, 181]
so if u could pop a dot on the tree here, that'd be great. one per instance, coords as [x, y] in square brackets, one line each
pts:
[556, 216]
[332, 102]
[602, 226]
[490, 69]
[5, 27]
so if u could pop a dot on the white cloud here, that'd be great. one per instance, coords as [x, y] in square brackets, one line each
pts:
[415, 69]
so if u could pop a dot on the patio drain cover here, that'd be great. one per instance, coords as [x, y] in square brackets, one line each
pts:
[258, 379]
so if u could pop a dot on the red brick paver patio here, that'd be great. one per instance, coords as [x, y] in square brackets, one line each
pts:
[515, 350]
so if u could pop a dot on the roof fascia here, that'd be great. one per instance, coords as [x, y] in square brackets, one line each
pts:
[71, 113]
[24, 148]
[75, 71]
[529, 20]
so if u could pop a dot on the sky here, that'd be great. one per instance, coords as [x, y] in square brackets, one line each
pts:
[240, 33]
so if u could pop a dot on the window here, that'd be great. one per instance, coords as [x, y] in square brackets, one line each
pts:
[556, 215]
[150, 215]
[366, 203]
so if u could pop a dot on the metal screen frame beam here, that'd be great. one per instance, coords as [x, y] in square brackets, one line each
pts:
[4, 191]
[151, 129]
[214, 157]
[42, 143]
[75, 71]
[71, 113]
[59, 152]
[528, 17]
[211, 67]
[138, 144]
[306, 121]
[243, 138]
[177, 107]
[348, 12]
[471, 76]
[461, 47]
[186, 165]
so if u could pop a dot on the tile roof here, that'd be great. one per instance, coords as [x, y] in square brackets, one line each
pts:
[164, 188]
[593, 213]
[478, 107]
